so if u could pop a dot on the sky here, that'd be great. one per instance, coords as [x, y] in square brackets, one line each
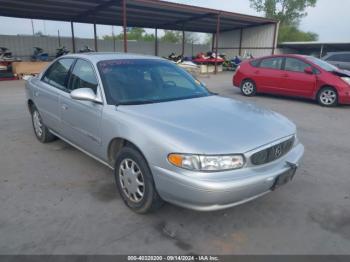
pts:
[329, 19]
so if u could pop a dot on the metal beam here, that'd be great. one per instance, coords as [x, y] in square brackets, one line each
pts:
[73, 40]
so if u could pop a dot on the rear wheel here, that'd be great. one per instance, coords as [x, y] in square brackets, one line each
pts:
[327, 96]
[248, 88]
[42, 133]
[135, 181]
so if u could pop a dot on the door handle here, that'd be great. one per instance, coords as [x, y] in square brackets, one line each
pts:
[257, 72]
[285, 75]
[64, 107]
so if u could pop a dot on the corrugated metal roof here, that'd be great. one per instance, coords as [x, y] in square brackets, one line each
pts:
[140, 13]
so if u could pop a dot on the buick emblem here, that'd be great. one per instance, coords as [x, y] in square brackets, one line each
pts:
[278, 151]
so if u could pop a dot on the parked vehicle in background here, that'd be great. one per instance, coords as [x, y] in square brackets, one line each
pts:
[6, 55]
[339, 59]
[162, 131]
[86, 49]
[39, 54]
[296, 76]
[61, 51]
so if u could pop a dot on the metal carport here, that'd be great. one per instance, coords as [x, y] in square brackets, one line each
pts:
[142, 13]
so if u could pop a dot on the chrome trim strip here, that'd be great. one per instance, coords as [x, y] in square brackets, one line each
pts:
[82, 150]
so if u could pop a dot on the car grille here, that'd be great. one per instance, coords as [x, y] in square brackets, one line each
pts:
[272, 153]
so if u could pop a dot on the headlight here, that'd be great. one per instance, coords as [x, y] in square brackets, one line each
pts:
[207, 162]
[346, 79]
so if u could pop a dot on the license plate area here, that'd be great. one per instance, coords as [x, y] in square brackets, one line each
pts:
[284, 178]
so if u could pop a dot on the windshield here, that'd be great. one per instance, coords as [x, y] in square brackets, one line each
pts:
[323, 64]
[141, 81]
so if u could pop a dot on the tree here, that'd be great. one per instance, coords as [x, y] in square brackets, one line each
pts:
[135, 33]
[293, 34]
[171, 36]
[289, 13]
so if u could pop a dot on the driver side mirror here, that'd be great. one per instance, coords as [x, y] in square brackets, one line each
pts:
[85, 94]
[309, 70]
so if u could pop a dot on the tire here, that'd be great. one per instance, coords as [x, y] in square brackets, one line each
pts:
[248, 88]
[135, 181]
[41, 132]
[327, 97]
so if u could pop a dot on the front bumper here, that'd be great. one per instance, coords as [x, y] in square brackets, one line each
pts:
[234, 188]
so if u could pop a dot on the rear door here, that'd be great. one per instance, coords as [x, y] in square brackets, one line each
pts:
[81, 120]
[268, 75]
[46, 93]
[295, 81]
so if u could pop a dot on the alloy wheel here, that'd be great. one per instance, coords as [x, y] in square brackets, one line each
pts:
[248, 88]
[328, 97]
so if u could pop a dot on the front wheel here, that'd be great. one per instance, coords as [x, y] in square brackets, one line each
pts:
[248, 88]
[135, 181]
[328, 97]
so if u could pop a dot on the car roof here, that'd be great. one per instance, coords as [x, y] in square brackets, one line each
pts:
[102, 56]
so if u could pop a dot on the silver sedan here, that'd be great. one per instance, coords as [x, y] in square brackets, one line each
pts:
[166, 137]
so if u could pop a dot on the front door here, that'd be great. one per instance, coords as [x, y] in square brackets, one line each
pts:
[296, 81]
[81, 120]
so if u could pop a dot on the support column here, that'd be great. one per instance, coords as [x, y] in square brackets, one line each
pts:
[73, 40]
[124, 27]
[59, 38]
[113, 36]
[321, 51]
[275, 36]
[183, 43]
[217, 42]
[240, 41]
[212, 42]
[95, 38]
[156, 42]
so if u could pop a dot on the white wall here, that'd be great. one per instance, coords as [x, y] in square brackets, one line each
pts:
[258, 41]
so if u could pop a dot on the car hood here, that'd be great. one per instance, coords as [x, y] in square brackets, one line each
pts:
[211, 125]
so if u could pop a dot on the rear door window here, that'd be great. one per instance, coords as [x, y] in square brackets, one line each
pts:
[272, 63]
[57, 74]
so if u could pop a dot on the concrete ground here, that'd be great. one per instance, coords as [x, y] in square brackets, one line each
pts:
[56, 200]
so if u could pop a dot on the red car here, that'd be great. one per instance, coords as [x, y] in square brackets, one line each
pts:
[294, 75]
